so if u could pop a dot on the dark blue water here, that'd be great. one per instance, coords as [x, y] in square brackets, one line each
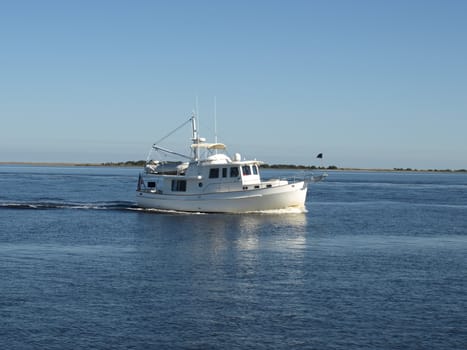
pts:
[379, 261]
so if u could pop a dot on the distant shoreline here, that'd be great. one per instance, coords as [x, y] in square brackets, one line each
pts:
[139, 164]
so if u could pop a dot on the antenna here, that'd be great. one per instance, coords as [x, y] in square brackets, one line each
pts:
[215, 119]
[197, 112]
[196, 134]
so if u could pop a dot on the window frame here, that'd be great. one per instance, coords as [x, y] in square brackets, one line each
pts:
[178, 185]
[234, 171]
[214, 173]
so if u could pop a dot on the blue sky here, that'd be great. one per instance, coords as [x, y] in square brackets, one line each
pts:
[368, 83]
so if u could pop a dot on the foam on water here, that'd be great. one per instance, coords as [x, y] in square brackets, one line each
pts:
[123, 205]
[68, 205]
[289, 210]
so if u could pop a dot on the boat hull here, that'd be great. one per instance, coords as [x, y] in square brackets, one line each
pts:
[280, 197]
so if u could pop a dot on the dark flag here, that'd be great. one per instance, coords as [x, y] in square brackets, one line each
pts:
[320, 156]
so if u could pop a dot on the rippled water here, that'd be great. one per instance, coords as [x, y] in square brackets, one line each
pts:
[378, 261]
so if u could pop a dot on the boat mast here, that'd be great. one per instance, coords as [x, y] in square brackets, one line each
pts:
[195, 137]
[156, 147]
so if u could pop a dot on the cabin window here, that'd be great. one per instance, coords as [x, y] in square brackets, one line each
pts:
[246, 170]
[255, 169]
[234, 172]
[178, 185]
[224, 172]
[151, 184]
[213, 173]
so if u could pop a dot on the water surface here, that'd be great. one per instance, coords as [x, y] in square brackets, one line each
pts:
[378, 261]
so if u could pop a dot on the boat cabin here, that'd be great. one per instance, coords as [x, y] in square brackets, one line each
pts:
[216, 173]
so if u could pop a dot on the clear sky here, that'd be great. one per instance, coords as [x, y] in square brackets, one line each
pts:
[368, 83]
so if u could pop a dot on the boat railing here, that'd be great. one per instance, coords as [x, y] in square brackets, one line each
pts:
[309, 177]
[289, 179]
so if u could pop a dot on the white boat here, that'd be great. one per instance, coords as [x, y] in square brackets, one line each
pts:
[208, 180]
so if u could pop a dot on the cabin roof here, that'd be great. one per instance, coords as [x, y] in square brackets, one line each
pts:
[217, 146]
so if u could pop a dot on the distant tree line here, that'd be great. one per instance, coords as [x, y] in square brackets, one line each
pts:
[130, 163]
[299, 167]
[142, 163]
[433, 170]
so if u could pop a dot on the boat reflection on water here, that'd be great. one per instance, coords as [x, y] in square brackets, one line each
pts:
[271, 232]
[213, 234]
